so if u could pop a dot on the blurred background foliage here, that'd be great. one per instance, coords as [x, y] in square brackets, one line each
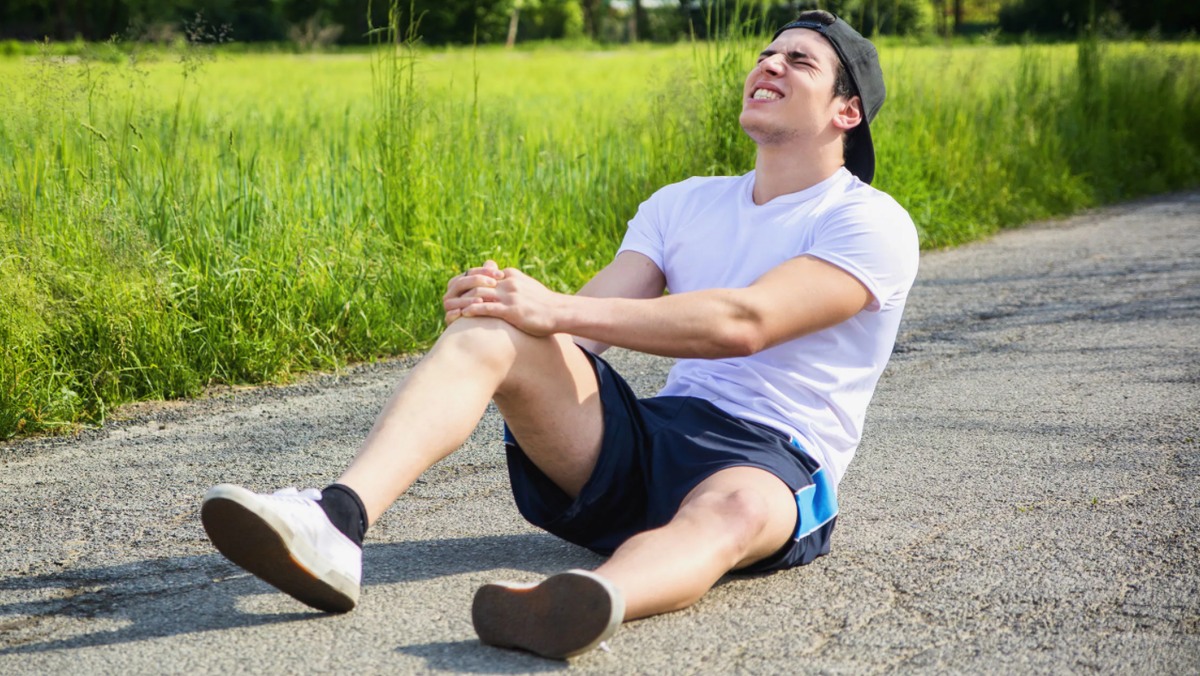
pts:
[167, 224]
[324, 23]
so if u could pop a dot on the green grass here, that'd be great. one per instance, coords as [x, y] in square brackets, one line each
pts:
[164, 227]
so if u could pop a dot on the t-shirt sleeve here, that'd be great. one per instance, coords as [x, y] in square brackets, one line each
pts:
[874, 240]
[647, 230]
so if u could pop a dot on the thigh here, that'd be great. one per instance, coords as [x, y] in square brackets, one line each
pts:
[767, 499]
[551, 403]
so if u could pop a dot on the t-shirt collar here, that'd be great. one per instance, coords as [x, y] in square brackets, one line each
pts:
[794, 197]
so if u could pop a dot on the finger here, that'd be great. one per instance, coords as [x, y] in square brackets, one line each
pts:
[464, 284]
[485, 310]
[485, 272]
[482, 293]
[476, 281]
[489, 268]
[461, 303]
[452, 315]
[455, 304]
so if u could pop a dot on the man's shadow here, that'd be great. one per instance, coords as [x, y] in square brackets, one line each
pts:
[185, 595]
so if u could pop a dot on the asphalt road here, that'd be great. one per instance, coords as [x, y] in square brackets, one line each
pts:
[1026, 500]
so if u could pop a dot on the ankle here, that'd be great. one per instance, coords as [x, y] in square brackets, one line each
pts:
[345, 511]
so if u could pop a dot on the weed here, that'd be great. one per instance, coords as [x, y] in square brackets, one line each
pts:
[265, 215]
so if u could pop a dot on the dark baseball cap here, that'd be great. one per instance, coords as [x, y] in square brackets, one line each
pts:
[861, 61]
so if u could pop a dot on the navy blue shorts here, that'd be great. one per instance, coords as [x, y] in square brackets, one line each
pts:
[655, 451]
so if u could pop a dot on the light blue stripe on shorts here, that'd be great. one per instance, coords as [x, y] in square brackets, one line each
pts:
[817, 502]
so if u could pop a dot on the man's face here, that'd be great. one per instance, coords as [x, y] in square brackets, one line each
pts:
[789, 93]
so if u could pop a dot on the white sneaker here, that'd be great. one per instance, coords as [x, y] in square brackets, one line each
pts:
[286, 540]
[560, 617]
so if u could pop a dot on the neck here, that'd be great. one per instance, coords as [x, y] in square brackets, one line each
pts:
[788, 168]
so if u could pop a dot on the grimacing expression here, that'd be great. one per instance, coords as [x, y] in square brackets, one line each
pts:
[789, 93]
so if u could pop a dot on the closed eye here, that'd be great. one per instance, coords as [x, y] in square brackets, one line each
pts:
[802, 59]
[797, 58]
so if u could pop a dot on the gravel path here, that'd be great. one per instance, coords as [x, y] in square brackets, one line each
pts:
[1026, 500]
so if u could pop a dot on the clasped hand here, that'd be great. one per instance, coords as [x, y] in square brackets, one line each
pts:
[507, 294]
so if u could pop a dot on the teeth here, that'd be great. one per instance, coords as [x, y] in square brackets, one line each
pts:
[766, 94]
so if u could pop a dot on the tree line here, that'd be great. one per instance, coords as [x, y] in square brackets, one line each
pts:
[490, 21]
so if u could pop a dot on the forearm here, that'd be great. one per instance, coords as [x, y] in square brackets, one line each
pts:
[631, 275]
[711, 324]
[794, 299]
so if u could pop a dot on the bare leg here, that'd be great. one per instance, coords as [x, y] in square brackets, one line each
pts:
[734, 518]
[548, 393]
[545, 387]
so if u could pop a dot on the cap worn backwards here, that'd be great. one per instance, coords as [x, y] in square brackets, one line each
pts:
[861, 61]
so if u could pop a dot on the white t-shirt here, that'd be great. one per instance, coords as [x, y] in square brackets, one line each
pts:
[706, 233]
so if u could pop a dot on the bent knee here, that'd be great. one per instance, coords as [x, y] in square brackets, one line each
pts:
[478, 327]
[490, 340]
[741, 515]
[745, 508]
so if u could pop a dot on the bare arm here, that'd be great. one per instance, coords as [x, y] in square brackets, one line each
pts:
[796, 298]
[799, 297]
[631, 275]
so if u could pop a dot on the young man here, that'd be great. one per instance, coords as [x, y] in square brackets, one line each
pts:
[787, 285]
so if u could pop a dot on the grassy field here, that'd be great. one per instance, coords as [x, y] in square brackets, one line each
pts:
[165, 225]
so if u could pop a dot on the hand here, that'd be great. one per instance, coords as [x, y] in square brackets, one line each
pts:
[515, 297]
[465, 284]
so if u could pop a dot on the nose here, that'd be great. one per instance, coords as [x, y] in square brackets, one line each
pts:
[772, 65]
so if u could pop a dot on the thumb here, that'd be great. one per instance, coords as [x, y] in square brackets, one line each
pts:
[491, 266]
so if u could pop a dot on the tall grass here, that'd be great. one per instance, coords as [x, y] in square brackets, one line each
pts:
[165, 227]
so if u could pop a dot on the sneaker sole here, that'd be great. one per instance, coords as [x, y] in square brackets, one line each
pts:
[563, 616]
[260, 542]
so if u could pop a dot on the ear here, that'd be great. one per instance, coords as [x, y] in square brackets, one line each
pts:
[848, 114]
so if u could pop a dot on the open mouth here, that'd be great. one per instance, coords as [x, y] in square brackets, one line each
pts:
[764, 94]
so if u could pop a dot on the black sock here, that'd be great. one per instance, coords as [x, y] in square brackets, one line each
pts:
[345, 509]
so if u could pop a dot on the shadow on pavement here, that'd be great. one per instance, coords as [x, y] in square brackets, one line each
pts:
[469, 657]
[191, 594]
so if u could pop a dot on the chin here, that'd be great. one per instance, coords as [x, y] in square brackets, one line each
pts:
[764, 133]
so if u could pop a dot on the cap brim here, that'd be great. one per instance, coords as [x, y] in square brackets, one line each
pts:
[860, 158]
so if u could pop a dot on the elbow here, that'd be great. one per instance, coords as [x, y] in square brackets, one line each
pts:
[740, 339]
